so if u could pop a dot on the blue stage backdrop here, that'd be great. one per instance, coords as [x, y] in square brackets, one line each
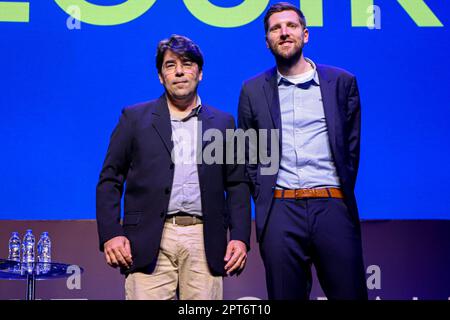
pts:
[65, 81]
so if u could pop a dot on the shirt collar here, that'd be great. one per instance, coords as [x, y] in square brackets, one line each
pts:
[314, 77]
[194, 112]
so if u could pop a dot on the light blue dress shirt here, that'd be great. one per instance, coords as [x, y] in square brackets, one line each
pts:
[185, 193]
[306, 158]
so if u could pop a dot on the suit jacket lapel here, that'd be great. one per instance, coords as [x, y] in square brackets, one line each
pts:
[328, 91]
[161, 122]
[205, 120]
[273, 101]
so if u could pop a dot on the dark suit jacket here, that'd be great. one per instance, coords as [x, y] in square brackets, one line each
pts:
[259, 108]
[139, 154]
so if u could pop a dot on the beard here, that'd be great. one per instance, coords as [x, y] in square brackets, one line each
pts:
[287, 58]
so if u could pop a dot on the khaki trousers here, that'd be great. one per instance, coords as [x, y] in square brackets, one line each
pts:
[181, 263]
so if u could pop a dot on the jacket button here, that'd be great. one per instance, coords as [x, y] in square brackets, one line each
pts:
[172, 166]
[167, 190]
[162, 214]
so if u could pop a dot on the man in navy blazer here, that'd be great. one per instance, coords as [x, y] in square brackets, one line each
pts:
[306, 211]
[176, 212]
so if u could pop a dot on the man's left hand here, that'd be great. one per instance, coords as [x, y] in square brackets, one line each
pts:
[236, 256]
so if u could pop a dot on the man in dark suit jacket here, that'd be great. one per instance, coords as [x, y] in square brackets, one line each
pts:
[306, 212]
[176, 215]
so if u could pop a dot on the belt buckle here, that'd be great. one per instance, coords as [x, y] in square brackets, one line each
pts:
[184, 220]
[297, 194]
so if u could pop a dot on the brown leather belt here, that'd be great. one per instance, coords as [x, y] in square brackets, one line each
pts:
[184, 220]
[308, 193]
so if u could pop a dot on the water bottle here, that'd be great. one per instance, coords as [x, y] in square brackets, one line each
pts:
[28, 247]
[14, 247]
[44, 248]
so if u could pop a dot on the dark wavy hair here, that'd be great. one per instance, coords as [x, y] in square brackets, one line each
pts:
[181, 46]
[283, 6]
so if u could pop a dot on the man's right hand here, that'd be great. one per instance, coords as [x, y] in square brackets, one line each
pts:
[118, 252]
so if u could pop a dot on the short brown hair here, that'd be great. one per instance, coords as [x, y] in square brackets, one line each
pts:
[283, 6]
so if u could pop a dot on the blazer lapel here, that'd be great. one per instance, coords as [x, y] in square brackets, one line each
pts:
[161, 122]
[272, 99]
[328, 91]
[205, 120]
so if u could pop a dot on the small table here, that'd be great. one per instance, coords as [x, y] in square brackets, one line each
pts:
[13, 270]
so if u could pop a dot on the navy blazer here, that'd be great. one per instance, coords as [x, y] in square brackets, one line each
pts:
[139, 154]
[259, 108]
